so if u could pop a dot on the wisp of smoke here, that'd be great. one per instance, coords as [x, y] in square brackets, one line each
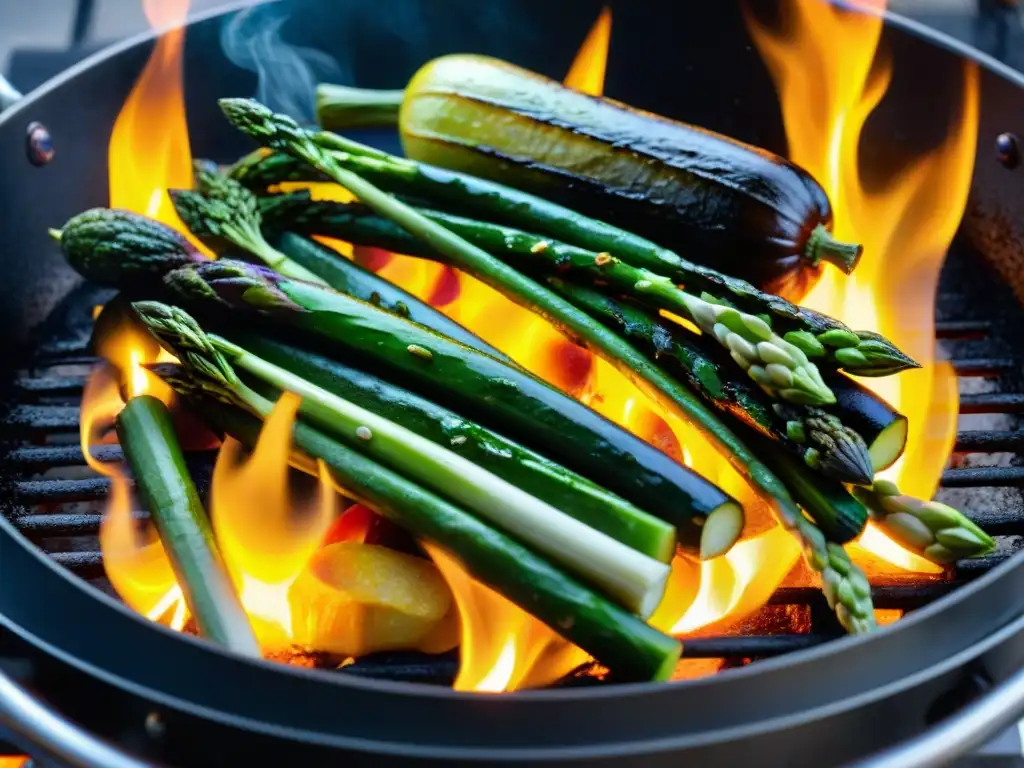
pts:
[287, 74]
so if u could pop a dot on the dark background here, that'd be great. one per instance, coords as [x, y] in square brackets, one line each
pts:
[40, 37]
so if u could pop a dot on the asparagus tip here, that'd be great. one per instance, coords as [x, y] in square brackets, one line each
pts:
[874, 356]
[823, 246]
[836, 450]
[933, 530]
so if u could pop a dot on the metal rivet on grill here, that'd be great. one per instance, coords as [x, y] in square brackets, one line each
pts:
[1008, 150]
[39, 145]
[155, 725]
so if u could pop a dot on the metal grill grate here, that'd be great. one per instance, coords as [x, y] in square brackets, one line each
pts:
[54, 500]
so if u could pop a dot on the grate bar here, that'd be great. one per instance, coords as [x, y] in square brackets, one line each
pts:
[962, 329]
[1005, 521]
[904, 597]
[88, 565]
[62, 349]
[28, 492]
[976, 566]
[983, 477]
[38, 458]
[747, 646]
[42, 526]
[994, 402]
[42, 418]
[990, 441]
[983, 366]
[49, 386]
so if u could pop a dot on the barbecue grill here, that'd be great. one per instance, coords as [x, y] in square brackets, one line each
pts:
[79, 672]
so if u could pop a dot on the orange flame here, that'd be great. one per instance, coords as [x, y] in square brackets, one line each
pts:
[906, 226]
[264, 540]
[148, 152]
[138, 568]
[149, 149]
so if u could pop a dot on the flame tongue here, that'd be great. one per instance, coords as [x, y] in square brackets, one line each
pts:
[906, 226]
[265, 541]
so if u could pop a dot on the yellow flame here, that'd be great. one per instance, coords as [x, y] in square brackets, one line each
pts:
[137, 565]
[149, 149]
[588, 68]
[264, 540]
[829, 80]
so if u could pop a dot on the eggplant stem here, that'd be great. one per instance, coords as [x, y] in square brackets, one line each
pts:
[821, 245]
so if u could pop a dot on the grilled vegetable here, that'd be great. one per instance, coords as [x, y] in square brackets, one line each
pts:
[506, 399]
[617, 460]
[934, 530]
[283, 133]
[223, 212]
[616, 638]
[780, 368]
[731, 205]
[819, 439]
[839, 515]
[114, 247]
[883, 428]
[634, 580]
[576, 496]
[353, 598]
[146, 433]
[820, 337]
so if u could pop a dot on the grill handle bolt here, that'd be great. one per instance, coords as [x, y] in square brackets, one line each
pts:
[39, 144]
[1008, 150]
[155, 726]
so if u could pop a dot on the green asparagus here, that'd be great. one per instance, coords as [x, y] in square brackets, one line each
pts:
[222, 213]
[616, 638]
[818, 335]
[777, 366]
[146, 433]
[634, 580]
[934, 530]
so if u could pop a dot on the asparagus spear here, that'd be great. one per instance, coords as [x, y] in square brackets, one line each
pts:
[505, 398]
[357, 107]
[348, 277]
[853, 605]
[222, 213]
[840, 516]
[934, 530]
[146, 433]
[820, 439]
[634, 580]
[818, 335]
[616, 638]
[780, 368]
[565, 490]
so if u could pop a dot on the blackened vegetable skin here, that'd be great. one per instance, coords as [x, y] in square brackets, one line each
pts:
[736, 207]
